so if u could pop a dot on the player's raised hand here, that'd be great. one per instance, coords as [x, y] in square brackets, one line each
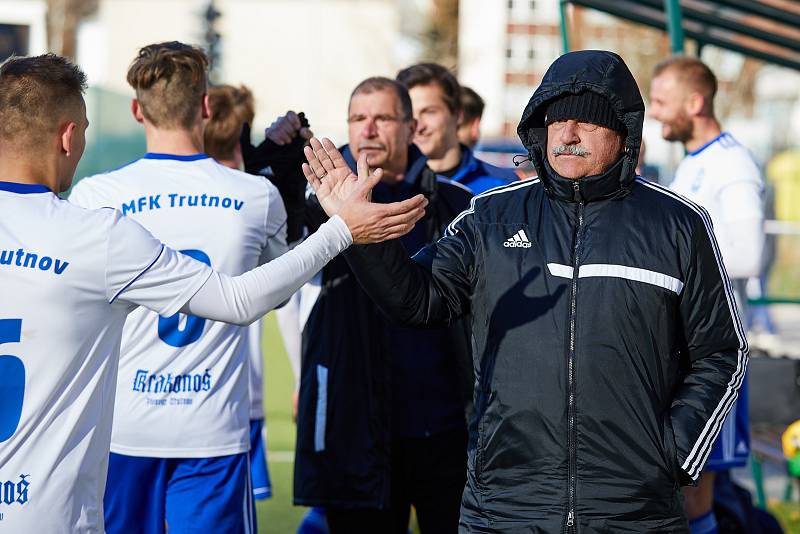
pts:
[340, 192]
[329, 175]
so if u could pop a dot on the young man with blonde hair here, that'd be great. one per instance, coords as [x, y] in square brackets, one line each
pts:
[180, 437]
[180, 452]
[70, 277]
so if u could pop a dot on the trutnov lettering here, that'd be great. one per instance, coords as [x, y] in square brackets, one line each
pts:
[177, 200]
[31, 260]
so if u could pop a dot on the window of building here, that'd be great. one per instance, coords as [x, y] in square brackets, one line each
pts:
[13, 40]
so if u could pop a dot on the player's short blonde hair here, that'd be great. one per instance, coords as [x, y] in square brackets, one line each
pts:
[694, 74]
[170, 80]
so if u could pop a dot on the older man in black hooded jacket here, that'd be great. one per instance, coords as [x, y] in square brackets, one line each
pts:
[606, 346]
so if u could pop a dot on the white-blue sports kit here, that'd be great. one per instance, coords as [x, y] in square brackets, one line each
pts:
[722, 177]
[69, 277]
[182, 387]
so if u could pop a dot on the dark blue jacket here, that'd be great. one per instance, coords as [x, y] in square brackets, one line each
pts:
[606, 343]
[366, 382]
[478, 176]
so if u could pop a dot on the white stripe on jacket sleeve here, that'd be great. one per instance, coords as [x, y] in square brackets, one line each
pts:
[702, 448]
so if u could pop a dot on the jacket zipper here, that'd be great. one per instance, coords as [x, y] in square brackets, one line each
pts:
[572, 433]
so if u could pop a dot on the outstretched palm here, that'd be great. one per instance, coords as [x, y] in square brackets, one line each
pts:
[331, 177]
[340, 192]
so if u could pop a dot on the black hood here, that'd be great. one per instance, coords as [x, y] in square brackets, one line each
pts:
[588, 70]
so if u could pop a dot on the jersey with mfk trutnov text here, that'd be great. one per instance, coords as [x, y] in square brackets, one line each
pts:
[69, 277]
[182, 389]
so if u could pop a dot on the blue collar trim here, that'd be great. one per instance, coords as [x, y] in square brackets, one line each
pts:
[193, 157]
[24, 189]
[467, 165]
[705, 146]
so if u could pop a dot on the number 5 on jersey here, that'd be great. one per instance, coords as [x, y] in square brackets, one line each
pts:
[12, 380]
[169, 328]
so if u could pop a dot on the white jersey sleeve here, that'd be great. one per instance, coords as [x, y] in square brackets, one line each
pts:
[243, 299]
[142, 271]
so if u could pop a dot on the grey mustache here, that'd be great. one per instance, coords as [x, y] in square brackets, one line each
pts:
[573, 150]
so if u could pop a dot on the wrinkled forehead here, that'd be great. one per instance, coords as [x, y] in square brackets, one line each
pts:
[378, 102]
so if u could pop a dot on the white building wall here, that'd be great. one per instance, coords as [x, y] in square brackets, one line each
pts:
[308, 56]
[112, 37]
[302, 55]
[481, 57]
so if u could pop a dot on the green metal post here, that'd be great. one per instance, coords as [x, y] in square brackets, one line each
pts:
[758, 478]
[564, 31]
[673, 10]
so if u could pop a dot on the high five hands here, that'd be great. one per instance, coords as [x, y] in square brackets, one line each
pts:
[342, 193]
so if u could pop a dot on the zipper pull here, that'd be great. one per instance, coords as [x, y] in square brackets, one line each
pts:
[577, 189]
[571, 519]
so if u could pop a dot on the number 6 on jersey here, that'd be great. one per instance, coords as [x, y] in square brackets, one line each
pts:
[12, 380]
[169, 328]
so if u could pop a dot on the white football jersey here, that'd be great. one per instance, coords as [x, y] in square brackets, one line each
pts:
[68, 279]
[722, 177]
[182, 389]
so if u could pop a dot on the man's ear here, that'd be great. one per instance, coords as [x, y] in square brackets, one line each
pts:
[475, 128]
[136, 110]
[412, 125]
[695, 103]
[206, 107]
[460, 119]
[66, 133]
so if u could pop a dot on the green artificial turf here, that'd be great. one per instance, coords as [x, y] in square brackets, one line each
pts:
[277, 515]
